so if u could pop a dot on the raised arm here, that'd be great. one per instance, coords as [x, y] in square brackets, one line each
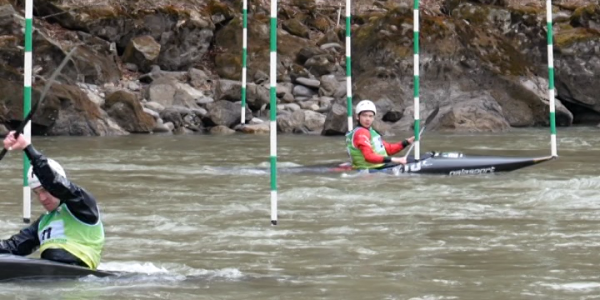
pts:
[80, 203]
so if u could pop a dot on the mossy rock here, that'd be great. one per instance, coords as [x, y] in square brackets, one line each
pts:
[229, 37]
[474, 14]
[450, 5]
[501, 3]
[435, 26]
[391, 31]
[320, 23]
[98, 12]
[296, 28]
[528, 15]
[229, 65]
[289, 45]
[496, 51]
[309, 5]
[582, 16]
[566, 38]
[172, 10]
[290, 12]
[331, 36]
[220, 8]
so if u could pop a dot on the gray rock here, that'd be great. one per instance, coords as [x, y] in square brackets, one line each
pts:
[161, 127]
[288, 98]
[314, 121]
[290, 123]
[199, 79]
[321, 64]
[256, 128]
[170, 126]
[331, 46]
[325, 101]
[163, 91]
[133, 86]
[260, 77]
[203, 100]
[329, 85]
[307, 104]
[256, 121]
[155, 106]
[231, 90]
[186, 95]
[336, 120]
[124, 107]
[302, 99]
[93, 94]
[482, 114]
[223, 113]
[153, 113]
[384, 105]
[302, 91]
[292, 107]
[220, 129]
[143, 51]
[311, 83]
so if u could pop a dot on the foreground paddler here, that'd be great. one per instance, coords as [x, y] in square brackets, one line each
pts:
[71, 230]
[366, 147]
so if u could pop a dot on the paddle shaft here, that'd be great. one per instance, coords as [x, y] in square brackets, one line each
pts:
[427, 121]
[412, 145]
[35, 106]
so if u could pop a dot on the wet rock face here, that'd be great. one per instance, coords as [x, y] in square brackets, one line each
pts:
[183, 34]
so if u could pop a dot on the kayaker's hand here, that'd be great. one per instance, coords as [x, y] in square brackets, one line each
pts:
[411, 139]
[12, 143]
[399, 160]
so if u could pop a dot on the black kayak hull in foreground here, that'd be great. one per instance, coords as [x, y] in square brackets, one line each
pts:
[444, 163]
[22, 268]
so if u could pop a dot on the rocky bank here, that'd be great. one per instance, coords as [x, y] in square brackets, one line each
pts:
[175, 66]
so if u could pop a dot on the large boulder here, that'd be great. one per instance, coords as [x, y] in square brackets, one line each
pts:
[125, 108]
[143, 51]
[74, 114]
[483, 114]
[336, 120]
[224, 113]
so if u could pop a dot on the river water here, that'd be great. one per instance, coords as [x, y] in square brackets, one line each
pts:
[182, 212]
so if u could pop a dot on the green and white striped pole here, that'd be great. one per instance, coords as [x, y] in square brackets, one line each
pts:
[244, 59]
[416, 79]
[27, 79]
[273, 111]
[551, 92]
[348, 65]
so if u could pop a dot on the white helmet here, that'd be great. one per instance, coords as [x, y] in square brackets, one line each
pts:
[365, 105]
[34, 182]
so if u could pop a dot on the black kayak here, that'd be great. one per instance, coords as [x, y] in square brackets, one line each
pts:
[441, 163]
[22, 268]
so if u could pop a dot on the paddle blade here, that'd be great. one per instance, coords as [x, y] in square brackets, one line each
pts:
[3, 153]
[432, 115]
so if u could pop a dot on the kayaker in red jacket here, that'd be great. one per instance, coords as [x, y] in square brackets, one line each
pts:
[366, 147]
